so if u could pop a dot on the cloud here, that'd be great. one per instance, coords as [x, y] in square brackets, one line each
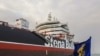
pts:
[82, 16]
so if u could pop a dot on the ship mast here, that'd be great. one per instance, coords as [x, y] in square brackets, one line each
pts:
[49, 16]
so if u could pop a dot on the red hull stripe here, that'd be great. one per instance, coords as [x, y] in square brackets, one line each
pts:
[32, 47]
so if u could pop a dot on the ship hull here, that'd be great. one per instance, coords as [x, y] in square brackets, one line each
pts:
[22, 49]
[19, 42]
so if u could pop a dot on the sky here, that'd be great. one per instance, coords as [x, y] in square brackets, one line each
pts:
[82, 16]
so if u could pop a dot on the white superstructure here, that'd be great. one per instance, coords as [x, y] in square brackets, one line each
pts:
[22, 23]
[56, 29]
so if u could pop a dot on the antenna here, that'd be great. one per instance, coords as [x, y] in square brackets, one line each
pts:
[49, 16]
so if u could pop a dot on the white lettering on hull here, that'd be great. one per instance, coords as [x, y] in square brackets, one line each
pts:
[54, 42]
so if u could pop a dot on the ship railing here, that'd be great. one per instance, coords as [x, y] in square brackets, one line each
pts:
[12, 26]
[3, 23]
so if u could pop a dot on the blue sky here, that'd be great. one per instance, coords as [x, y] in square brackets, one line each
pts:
[82, 16]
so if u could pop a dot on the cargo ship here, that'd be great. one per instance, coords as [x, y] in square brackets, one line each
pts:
[51, 38]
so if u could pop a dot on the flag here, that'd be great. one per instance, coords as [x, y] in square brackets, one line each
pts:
[83, 48]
